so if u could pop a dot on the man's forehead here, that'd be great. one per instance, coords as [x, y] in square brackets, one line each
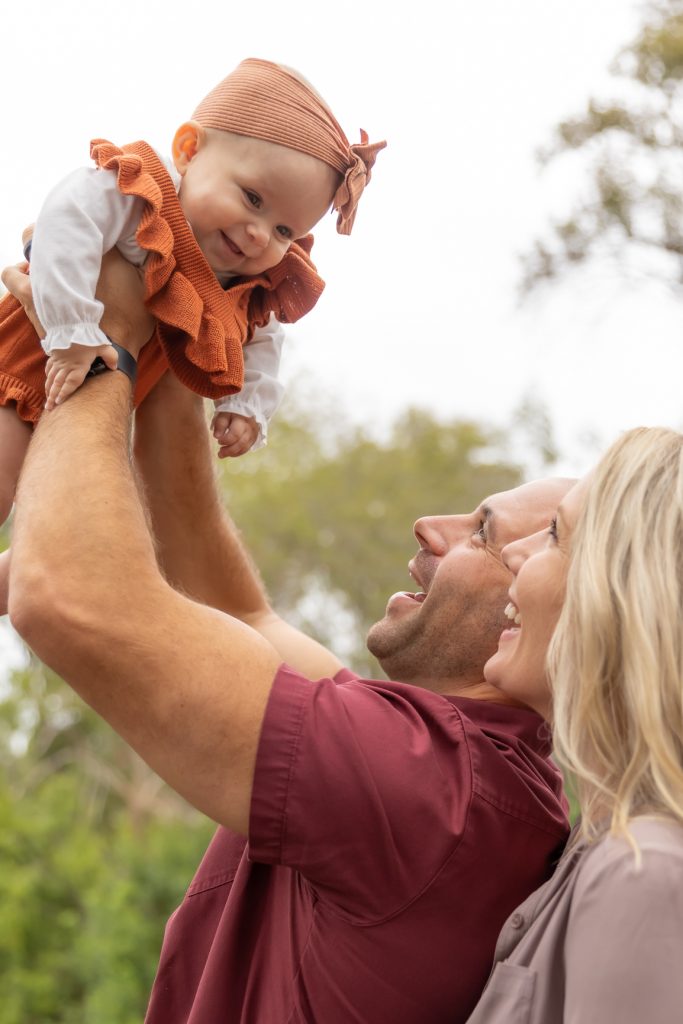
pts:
[524, 509]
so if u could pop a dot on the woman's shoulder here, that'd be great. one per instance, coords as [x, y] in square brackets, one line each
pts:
[655, 862]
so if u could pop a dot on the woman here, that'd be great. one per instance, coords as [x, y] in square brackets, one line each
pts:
[602, 941]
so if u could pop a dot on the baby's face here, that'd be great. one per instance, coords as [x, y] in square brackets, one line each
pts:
[246, 200]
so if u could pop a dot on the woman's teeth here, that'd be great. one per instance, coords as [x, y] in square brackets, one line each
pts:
[512, 613]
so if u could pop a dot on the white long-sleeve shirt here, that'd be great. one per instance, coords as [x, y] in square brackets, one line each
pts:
[85, 216]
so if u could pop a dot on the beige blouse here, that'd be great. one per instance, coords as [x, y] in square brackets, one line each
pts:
[601, 942]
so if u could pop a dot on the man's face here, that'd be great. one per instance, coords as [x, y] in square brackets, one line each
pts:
[441, 636]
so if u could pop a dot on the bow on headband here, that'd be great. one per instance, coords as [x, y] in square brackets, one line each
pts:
[362, 158]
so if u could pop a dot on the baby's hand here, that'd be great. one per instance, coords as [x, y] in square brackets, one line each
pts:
[66, 369]
[235, 433]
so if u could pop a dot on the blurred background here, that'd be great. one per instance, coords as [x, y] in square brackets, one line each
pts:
[510, 300]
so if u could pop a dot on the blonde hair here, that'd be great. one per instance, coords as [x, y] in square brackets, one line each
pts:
[616, 659]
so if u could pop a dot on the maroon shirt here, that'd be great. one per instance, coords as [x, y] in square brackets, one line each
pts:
[392, 831]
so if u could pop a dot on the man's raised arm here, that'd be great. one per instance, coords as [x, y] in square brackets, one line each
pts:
[184, 684]
[198, 546]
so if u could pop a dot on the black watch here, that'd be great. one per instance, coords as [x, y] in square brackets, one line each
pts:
[126, 364]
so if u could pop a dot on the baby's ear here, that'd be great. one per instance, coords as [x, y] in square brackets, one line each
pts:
[187, 142]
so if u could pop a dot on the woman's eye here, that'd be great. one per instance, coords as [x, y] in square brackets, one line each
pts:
[552, 529]
[283, 231]
[253, 198]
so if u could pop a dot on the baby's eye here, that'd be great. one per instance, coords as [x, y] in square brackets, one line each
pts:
[253, 197]
[283, 231]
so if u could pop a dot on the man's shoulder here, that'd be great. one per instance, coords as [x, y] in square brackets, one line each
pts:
[495, 726]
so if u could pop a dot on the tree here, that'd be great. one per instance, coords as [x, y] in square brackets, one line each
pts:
[94, 854]
[632, 206]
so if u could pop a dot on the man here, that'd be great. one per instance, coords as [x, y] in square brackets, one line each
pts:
[391, 826]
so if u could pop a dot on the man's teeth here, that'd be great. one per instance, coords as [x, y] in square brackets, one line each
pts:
[512, 613]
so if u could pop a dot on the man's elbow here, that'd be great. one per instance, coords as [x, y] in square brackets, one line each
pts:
[35, 609]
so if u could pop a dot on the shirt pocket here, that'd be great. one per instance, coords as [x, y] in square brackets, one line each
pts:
[204, 882]
[508, 997]
[220, 863]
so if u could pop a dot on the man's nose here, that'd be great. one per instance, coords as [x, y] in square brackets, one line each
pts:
[438, 533]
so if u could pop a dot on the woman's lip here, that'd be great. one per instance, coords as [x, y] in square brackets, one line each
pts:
[508, 634]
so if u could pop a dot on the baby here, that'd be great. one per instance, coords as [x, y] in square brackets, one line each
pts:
[221, 232]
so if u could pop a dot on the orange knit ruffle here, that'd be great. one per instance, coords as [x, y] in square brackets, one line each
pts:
[202, 328]
[22, 362]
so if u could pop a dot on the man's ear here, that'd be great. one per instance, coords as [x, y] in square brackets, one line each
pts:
[187, 142]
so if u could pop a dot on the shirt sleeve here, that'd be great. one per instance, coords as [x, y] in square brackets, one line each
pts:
[362, 787]
[83, 217]
[624, 938]
[262, 392]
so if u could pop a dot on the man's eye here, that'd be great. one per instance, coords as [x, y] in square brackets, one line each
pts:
[283, 231]
[481, 532]
[253, 198]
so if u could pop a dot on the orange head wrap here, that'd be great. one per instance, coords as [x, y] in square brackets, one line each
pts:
[267, 102]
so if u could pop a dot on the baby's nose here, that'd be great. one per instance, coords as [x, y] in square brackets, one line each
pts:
[258, 235]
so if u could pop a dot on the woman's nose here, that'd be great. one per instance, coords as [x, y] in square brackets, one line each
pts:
[515, 554]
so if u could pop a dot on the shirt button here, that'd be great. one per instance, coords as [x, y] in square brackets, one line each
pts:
[517, 921]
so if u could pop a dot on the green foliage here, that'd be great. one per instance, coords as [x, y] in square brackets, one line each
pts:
[89, 871]
[633, 200]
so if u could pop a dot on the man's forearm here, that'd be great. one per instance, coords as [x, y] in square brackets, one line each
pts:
[199, 548]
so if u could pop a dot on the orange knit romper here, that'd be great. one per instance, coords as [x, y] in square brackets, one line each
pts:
[200, 327]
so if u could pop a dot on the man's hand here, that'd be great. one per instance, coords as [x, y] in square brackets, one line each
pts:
[235, 433]
[17, 283]
[67, 368]
[121, 288]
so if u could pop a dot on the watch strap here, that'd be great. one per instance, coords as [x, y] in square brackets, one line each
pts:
[126, 363]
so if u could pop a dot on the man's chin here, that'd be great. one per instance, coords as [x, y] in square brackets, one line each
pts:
[389, 636]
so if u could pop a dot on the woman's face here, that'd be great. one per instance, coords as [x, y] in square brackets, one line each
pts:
[539, 565]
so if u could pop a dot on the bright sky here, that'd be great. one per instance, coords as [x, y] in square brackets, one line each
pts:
[421, 305]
